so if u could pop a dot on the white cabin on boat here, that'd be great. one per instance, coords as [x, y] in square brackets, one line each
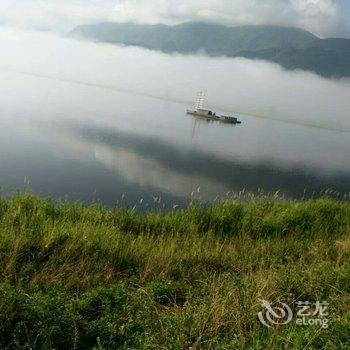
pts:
[199, 111]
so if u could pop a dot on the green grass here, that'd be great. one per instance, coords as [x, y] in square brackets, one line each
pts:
[75, 277]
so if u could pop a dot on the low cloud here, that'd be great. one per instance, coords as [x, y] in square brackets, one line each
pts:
[319, 16]
[322, 17]
[238, 85]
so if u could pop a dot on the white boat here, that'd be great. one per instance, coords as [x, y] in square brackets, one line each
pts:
[199, 111]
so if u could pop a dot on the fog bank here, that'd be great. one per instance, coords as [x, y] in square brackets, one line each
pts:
[236, 85]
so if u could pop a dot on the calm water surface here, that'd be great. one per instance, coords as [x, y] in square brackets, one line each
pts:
[67, 140]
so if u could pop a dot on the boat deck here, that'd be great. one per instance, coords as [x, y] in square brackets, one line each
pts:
[212, 116]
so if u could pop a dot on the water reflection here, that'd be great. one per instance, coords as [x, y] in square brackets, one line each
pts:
[179, 170]
[176, 171]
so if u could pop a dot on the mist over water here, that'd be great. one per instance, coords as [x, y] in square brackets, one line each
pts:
[95, 121]
[247, 86]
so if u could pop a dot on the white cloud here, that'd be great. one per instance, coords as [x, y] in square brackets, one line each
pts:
[52, 14]
[320, 16]
[323, 17]
[298, 96]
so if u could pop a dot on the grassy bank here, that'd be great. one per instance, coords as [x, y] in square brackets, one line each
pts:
[75, 277]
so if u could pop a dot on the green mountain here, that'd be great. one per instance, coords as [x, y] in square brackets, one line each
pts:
[292, 48]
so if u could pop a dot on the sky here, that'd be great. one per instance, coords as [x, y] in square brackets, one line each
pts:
[324, 18]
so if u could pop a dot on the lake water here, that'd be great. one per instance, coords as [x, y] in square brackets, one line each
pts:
[68, 140]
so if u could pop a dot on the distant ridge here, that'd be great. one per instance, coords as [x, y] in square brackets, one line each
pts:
[290, 47]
